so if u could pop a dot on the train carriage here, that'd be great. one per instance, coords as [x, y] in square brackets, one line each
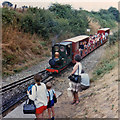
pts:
[77, 44]
[104, 30]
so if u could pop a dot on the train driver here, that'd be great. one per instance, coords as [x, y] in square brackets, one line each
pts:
[56, 58]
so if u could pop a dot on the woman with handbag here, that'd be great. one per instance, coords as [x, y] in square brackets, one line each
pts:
[39, 96]
[75, 84]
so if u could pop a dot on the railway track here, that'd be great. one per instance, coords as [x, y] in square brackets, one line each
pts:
[16, 91]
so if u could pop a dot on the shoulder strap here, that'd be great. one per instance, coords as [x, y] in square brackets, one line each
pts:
[78, 68]
[36, 90]
[49, 95]
[53, 92]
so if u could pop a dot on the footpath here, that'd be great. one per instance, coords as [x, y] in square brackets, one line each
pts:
[99, 101]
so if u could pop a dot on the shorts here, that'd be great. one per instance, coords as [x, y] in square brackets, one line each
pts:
[51, 104]
[75, 87]
[40, 109]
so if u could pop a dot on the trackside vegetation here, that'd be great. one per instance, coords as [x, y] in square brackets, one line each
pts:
[109, 59]
[58, 19]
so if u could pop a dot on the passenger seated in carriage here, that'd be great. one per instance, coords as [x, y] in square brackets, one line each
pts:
[81, 47]
[106, 35]
[85, 46]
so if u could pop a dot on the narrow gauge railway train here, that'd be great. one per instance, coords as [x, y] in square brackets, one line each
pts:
[63, 53]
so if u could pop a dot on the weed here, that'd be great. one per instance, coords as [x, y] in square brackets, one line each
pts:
[95, 110]
[43, 43]
[107, 63]
[17, 70]
[112, 107]
[36, 50]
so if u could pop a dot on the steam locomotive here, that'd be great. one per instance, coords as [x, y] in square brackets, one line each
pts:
[63, 53]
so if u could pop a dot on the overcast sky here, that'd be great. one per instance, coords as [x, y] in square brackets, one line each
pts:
[85, 4]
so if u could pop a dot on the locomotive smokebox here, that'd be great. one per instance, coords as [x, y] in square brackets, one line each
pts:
[52, 62]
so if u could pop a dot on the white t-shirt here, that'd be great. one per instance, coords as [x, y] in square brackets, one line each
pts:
[40, 96]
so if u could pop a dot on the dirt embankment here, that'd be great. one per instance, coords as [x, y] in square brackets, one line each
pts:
[99, 101]
[21, 50]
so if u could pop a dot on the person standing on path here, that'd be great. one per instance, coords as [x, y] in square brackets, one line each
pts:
[39, 96]
[75, 86]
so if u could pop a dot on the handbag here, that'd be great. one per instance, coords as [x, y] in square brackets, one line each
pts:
[29, 106]
[54, 98]
[75, 78]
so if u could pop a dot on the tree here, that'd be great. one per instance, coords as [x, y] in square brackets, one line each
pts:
[115, 12]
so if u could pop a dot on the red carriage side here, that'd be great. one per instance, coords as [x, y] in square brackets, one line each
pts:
[76, 44]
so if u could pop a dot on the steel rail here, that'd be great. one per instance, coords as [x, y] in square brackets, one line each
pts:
[12, 85]
[16, 98]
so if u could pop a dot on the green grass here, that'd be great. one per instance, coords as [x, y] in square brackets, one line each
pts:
[43, 43]
[107, 62]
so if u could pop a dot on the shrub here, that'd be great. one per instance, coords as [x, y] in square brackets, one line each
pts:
[113, 38]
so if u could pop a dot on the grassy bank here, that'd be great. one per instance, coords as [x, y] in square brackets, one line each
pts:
[21, 50]
[108, 61]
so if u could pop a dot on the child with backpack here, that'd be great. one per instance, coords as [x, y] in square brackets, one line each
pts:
[50, 94]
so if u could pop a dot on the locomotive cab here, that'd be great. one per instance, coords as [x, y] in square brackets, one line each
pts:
[61, 56]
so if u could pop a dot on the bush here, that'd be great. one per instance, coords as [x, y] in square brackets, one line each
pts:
[107, 62]
[113, 38]
[8, 16]
[57, 20]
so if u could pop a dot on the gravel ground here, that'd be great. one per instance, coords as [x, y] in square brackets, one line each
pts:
[99, 101]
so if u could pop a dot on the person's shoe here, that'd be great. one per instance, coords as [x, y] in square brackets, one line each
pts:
[52, 118]
[77, 102]
[73, 102]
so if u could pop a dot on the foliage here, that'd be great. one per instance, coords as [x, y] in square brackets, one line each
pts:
[103, 17]
[76, 22]
[8, 16]
[58, 20]
[115, 13]
[107, 62]
[114, 38]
